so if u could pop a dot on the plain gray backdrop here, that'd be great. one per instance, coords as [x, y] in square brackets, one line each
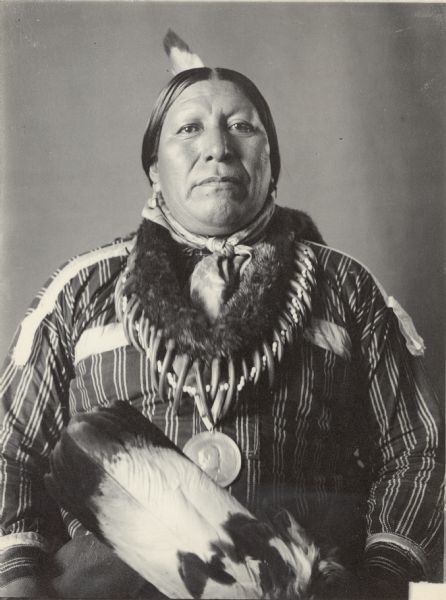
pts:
[357, 93]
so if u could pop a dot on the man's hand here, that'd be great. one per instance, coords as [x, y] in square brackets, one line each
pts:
[86, 568]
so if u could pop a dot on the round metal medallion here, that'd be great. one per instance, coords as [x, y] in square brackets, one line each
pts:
[216, 454]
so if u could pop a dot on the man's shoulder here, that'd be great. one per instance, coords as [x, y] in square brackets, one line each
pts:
[73, 284]
[346, 276]
[334, 263]
[335, 260]
[108, 255]
[84, 271]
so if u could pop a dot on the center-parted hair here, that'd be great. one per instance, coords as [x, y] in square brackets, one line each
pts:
[183, 80]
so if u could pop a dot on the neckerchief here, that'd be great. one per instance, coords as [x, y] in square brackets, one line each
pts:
[216, 276]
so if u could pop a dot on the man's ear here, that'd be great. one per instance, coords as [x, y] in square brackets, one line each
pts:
[154, 174]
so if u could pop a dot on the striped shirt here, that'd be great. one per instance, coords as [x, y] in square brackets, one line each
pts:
[348, 440]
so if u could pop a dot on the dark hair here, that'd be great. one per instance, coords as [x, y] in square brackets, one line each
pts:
[183, 80]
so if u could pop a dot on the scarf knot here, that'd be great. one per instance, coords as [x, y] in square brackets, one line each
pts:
[220, 246]
[215, 277]
[223, 247]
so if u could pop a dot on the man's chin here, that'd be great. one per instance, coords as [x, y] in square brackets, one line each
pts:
[219, 197]
[230, 220]
[221, 216]
[221, 226]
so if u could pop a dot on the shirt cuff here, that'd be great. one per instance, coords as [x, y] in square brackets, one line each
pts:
[21, 555]
[395, 559]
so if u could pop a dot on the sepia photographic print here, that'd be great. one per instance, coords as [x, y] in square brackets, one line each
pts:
[221, 300]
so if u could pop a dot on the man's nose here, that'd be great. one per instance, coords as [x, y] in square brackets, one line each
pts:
[216, 145]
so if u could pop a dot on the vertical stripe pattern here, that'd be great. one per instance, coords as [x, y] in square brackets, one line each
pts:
[334, 430]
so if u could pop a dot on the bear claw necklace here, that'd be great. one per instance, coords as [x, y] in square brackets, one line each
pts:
[215, 381]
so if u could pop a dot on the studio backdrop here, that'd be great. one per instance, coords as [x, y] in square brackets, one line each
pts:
[355, 90]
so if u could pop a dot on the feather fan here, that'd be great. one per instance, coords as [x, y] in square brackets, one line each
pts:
[132, 487]
[179, 53]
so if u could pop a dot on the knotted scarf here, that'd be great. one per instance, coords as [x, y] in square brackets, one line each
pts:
[217, 275]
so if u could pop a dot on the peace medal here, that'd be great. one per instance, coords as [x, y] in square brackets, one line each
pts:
[216, 454]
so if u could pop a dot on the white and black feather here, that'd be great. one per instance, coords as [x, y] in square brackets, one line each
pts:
[132, 487]
[179, 53]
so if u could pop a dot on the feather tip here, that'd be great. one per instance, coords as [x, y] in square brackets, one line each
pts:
[179, 53]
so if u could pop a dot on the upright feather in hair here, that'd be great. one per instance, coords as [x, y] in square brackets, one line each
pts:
[164, 517]
[179, 53]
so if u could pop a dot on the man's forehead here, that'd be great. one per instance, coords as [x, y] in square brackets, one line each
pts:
[212, 92]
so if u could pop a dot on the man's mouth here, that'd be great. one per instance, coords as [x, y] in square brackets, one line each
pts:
[229, 180]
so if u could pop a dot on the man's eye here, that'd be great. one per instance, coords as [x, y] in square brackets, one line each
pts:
[188, 129]
[242, 127]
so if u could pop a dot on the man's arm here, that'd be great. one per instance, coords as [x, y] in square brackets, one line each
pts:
[33, 393]
[404, 426]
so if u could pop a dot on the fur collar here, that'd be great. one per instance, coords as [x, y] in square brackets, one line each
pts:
[159, 278]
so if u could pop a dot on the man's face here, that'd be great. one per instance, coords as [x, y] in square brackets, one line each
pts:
[213, 165]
